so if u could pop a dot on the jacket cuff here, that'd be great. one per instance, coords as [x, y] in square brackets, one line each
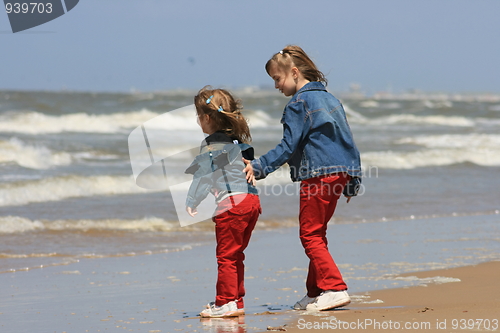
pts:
[258, 170]
[191, 202]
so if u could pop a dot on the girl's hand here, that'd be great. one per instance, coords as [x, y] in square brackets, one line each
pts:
[249, 172]
[191, 211]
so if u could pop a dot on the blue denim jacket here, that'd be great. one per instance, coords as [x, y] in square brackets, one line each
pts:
[316, 140]
[219, 170]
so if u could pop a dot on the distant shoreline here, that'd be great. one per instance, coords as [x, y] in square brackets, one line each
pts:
[410, 95]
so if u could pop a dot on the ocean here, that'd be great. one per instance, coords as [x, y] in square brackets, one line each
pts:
[68, 190]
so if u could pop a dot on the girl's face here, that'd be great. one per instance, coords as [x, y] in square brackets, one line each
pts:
[283, 79]
[204, 122]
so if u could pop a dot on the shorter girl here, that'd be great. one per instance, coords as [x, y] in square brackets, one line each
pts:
[219, 170]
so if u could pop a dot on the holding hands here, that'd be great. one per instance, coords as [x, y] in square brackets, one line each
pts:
[249, 172]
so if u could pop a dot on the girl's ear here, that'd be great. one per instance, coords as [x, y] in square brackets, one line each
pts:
[295, 73]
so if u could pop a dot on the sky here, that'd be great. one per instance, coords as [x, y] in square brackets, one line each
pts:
[156, 45]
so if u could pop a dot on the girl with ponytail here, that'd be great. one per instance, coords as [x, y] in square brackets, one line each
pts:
[319, 147]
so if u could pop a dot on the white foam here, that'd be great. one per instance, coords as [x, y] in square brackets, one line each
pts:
[432, 157]
[395, 119]
[377, 301]
[429, 280]
[60, 188]
[354, 116]
[424, 120]
[369, 104]
[33, 157]
[15, 224]
[446, 149]
[377, 105]
[31, 122]
[468, 141]
[260, 119]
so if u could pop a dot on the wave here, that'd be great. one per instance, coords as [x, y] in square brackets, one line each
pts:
[431, 157]
[375, 104]
[17, 193]
[447, 149]
[31, 122]
[411, 119]
[33, 157]
[16, 224]
[60, 188]
[429, 120]
[260, 119]
[468, 141]
[354, 116]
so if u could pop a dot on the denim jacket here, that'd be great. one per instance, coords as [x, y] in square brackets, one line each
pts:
[316, 140]
[219, 169]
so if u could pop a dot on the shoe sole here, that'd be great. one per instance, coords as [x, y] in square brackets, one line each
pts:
[300, 308]
[224, 315]
[295, 307]
[334, 306]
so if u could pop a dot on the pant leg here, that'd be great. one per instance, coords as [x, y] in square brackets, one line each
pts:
[233, 228]
[318, 200]
[252, 216]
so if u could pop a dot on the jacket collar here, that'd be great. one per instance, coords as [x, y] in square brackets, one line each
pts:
[315, 85]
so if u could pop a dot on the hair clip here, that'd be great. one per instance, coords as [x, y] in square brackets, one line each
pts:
[220, 109]
[209, 99]
[281, 52]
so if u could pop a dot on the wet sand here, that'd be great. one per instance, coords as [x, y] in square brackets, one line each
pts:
[164, 292]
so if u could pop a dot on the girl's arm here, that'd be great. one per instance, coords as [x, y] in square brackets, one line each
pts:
[293, 128]
[201, 185]
[198, 191]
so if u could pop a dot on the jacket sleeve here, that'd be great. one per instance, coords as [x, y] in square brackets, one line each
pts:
[202, 182]
[293, 128]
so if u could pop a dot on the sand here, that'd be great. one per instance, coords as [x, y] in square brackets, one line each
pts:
[470, 303]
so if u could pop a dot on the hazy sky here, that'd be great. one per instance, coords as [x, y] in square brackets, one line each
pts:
[118, 45]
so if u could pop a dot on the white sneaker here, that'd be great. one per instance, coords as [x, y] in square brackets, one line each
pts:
[329, 299]
[227, 310]
[302, 304]
[241, 311]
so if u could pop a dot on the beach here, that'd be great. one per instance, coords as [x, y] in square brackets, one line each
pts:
[85, 248]
[469, 302]
[164, 292]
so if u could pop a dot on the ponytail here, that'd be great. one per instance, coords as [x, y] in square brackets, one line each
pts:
[294, 56]
[225, 112]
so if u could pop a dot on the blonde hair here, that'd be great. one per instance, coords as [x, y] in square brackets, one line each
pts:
[224, 111]
[294, 56]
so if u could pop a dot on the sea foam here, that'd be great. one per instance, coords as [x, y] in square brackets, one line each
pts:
[33, 157]
[32, 122]
[16, 224]
[431, 157]
[64, 187]
[420, 120]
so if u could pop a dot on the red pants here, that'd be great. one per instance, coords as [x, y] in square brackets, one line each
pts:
[318, 199]
[233, 228]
